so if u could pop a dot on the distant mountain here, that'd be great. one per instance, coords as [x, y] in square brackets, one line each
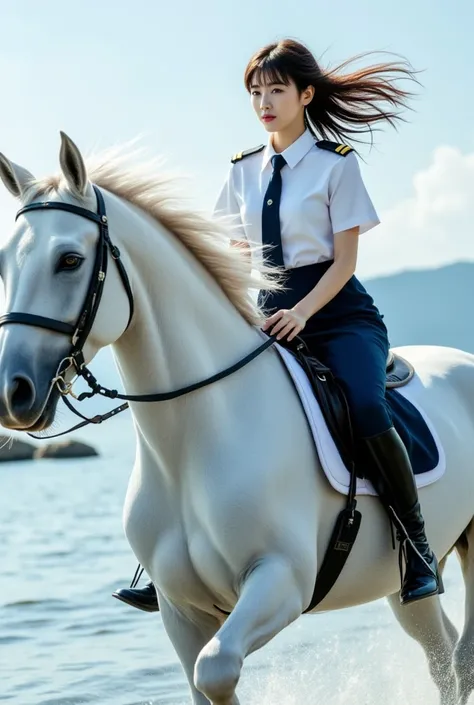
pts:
[428, 307]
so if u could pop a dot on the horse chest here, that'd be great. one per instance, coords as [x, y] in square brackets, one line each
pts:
[187, 567]
[173, 547]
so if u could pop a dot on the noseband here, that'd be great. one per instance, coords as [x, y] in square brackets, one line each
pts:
[79, 332]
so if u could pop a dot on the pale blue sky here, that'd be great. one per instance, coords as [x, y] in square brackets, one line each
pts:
[107, 71]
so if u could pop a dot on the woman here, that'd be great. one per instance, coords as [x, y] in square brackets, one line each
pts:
[302, 197]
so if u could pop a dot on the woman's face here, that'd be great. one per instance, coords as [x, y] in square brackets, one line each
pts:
[277, 105]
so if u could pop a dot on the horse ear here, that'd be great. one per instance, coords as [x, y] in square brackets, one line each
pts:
[16, 178]
[72, 166]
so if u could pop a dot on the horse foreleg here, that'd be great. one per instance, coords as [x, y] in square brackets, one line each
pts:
[448, 625]
[426, 622]
[464, 654]
[269, 600]
[188, 634]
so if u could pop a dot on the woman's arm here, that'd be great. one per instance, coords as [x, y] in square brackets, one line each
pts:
[227, 205]
[290, 322]
[345, 259]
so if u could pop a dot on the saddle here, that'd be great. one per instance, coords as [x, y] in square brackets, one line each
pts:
[335, 410]
[399, 371]
[332, 400]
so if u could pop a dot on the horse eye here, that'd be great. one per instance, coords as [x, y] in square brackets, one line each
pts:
[69, 262]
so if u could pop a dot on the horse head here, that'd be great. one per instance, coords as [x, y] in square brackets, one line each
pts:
[47, 265]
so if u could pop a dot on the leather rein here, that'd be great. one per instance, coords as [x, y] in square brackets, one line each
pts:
[80, 331]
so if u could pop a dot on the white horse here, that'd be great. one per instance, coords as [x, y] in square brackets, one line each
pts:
[227, 507]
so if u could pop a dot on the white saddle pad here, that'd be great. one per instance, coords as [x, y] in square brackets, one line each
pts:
[328, 453]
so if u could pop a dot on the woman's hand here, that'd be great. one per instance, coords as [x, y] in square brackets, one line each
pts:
[285, 323]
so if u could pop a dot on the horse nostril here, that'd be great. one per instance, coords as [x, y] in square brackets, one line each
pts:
[23, 393]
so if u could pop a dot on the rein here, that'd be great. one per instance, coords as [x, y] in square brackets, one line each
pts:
[81, 329]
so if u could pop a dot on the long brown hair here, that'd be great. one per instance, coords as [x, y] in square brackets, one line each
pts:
[344, 104]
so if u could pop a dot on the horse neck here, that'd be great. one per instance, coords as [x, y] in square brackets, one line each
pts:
[185, 329]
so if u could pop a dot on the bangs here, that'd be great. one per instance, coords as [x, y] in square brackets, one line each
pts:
[267, 70]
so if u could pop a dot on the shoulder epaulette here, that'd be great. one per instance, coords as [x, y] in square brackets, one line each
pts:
[241, 155]
[342, 149]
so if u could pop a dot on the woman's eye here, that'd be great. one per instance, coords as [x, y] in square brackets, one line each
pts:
[70, 262]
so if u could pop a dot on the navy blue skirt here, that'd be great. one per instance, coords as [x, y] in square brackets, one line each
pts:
[349, 336]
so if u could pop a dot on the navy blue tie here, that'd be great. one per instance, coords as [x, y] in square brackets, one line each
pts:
[271, 230]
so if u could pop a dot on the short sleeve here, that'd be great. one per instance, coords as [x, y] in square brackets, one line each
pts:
[349, 203]
[227, 205]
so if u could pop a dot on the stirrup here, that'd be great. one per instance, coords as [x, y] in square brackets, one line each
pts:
[136, 577]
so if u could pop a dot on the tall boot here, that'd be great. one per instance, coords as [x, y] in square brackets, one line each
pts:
[397, 488]
[144, 598]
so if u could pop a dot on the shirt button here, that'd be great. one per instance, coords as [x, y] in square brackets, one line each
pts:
[269, 202]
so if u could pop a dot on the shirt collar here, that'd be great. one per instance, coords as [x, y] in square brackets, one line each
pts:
[294, 153]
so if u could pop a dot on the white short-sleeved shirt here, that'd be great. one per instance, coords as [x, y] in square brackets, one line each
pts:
[322, 193]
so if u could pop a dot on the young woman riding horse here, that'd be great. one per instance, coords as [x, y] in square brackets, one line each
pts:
[303, 198]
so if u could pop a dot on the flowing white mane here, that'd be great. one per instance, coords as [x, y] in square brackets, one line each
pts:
[156, 193]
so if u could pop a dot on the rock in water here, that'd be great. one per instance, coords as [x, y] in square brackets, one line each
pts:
[12, 449]
[67, 449]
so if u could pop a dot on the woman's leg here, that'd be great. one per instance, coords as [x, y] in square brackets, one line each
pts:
[357, 358]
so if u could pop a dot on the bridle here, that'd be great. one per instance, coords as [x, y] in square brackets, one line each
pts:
[80, 331]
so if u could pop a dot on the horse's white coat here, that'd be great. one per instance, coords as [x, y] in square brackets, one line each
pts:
[227, 507]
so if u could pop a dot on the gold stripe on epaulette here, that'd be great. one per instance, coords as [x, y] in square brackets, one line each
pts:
[237, 156]
[344, 150]
[340, 147]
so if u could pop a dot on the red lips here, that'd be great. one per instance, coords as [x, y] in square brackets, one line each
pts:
[268, 118]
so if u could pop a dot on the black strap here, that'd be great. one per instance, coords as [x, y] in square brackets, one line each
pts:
[345, 529]
[340, 545]
[29, 319]
[59, 206]
[168, 396]
[98, 419]
[114, 252]
[93, 297]
[162, 397]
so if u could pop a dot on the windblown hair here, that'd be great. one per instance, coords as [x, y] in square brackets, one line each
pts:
[345, 104]
[146, 186]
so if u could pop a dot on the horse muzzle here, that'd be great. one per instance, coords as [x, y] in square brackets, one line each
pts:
[28, 400]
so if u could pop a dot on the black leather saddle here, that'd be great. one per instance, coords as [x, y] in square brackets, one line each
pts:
[332, 400]
[335, 410]
[399, 371]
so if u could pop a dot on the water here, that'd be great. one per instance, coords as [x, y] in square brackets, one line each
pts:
[65, 641]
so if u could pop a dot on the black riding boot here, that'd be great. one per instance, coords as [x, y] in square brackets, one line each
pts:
[142, 598]
[398, 490]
